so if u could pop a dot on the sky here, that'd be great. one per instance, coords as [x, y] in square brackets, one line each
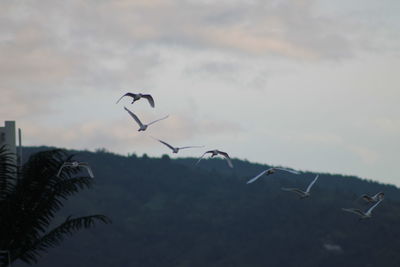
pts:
[308, 84]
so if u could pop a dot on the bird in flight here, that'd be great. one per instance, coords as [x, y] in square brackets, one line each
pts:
[303, 194]
[269, 172]
[175, 149]
[76, 164]
[216, 152]
[143, 127]
[362, 214]
[136, 97]
[374, 198]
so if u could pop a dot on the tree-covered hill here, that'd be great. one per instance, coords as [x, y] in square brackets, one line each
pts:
[168, 212]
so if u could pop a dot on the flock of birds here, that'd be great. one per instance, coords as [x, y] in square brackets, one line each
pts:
[375, 200]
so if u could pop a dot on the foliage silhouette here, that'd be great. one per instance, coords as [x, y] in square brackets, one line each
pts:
[31, 196]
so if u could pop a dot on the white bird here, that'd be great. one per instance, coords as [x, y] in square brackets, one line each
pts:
[216, 152]
[374, 198]
[143, 127]
[175, 149]
[270, 171]
[362, 214]
[303, 194]
[76, 164]
[137, 97]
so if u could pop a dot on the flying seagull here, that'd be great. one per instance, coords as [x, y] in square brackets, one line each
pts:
[270, 171]
[364, 215]
[137, 97]
[374, 198]
[174, 149]
[216, 152]
[76, 164]
[143, 127]
[303, 194]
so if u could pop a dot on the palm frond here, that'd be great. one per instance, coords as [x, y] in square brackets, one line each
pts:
[33, 200]
[57, 235]
[8, 172]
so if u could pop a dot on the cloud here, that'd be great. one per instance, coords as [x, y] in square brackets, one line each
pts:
[387, 125]
[48, 48]
[367, 155]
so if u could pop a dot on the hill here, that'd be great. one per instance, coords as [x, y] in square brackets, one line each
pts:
[167, 212]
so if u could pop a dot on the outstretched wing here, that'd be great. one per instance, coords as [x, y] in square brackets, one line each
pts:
[65, 164]
[258, 176]
[150, 99]
[162, 142]
[203, 156]
[184, 147]
[373, 207]
[134, 117]
[312, 183]
[85, 165]
[287, 170]
[127, 94]
[163, 118]
[355, 211]
[294, 190]
[226, 156]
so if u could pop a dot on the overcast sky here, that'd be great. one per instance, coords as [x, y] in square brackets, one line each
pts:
[308, 84]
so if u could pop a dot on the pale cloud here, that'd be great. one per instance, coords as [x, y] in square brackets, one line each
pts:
[318, 138]
[387, 125]
[314, 81]
[244, 40]
[367, 155]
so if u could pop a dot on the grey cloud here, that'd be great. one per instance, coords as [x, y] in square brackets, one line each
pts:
[281, 27]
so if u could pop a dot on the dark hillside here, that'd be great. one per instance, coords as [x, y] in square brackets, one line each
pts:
[169, 213]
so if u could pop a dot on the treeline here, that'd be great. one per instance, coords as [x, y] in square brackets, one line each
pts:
[167, 212]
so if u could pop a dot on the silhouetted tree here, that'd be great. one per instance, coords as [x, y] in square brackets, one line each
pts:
[30, 197]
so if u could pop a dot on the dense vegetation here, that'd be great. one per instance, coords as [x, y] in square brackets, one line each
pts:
[30, 196]
[167, 212]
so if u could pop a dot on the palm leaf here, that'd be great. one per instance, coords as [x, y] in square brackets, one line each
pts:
[8, 172]
[57, 235]
[32, 199]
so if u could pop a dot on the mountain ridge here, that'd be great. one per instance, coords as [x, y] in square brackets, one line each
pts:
[167, 212]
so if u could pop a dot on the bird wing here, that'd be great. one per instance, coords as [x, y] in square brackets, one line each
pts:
[150, 99]
[203, 156]
[379, 195]
[287, 170]
[184, 147]
[134, 117]
[60, 169]
[373, 207]
[127, 94]
[226, 156]
[355, 211]
[258, 176]
[312, 183]
[85, 165]
[162, 142]
[294, 190]
[163, 118]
